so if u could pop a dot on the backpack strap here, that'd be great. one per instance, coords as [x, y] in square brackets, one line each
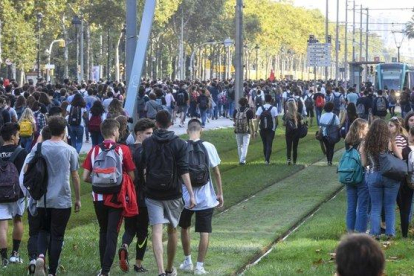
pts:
[15, 153]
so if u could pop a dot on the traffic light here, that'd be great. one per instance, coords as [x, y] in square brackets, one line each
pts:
[371, 70]
[329, 39]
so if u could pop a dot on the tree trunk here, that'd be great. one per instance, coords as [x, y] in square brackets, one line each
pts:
[88, 52]
[66, 50]
[118, 43]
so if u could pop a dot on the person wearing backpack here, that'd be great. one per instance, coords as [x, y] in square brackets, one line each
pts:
[329, 126]
[357, 190]
[268, 121]
[392, 102]
[243, 128]
[97, 115]
[55, 206]
[405, 102]
[152, 106]
[338, 101]
[204, 162]
[137, 225]
[292, 120]
[27, 125]
[142, 99]
[310, 105]
[165, 160]
[182, 104]
[202, 102]
[76, 111]
[380, 106]
[105, 162]
[319, 99]
[4, 114]
[12, 201]
[259, 99]
[363, 106]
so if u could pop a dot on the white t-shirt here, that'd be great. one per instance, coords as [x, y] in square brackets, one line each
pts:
[106, 103]
[168, 99]
[273, 111]
[205, 196]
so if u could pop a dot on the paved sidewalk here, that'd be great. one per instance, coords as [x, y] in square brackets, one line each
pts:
[213, 124]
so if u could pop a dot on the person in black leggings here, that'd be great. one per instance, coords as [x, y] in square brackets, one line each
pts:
[292, 120]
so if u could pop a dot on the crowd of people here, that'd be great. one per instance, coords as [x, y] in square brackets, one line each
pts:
[51, 121]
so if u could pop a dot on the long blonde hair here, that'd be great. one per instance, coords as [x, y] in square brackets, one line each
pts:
[27, 115]
[292, 111]
[354, 135]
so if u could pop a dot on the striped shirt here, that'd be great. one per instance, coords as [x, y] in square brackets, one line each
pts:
[400, 141]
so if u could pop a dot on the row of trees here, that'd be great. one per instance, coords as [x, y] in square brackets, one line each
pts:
[278, 28]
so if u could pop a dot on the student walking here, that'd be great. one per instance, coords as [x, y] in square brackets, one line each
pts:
[329, 125]
[292, 120]
[382, 190]
[165, 160]
[54, 208]
[109, 198]
[137, 225]
[267, 118]
[76, 111]
[11, 156]
[205, 196]
[243, 128]
[27, 125]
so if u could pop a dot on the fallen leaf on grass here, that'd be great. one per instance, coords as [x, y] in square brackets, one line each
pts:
[318, 262]
[333, 256]
[62, 269]
[392, 258]
[386, 244]
[299, 270]
[75, 247]
[318, 250]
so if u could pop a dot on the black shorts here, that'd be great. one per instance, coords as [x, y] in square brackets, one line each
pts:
[202, 220]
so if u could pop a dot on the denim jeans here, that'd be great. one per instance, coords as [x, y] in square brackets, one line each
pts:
[96, 137]
[243, 140]
[26, 143]
[383, 192]
[231, 108]
[76, 137]
[357, 209]
[203, 115]
[267, 139]
[215, 112]
[318, 111]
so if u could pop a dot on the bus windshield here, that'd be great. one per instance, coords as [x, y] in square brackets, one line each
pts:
[392, 78]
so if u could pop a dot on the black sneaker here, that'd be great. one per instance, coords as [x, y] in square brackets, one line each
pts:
[140, 269]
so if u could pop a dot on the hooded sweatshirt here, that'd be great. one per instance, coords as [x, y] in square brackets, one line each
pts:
[179, 150]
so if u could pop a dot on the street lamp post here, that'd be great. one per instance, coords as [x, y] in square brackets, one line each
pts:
[39, 17]
[77, 22]
[257, 61]
[227, 43]
[49, 53]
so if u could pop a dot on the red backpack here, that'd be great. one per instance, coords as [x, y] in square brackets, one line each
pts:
[320, 101]
[95, 123]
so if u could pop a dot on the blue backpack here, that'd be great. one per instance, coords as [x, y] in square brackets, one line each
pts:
[350, 170]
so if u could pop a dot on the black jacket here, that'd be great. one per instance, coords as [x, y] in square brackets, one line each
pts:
[179, 149]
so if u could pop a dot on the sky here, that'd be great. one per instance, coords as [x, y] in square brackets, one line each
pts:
[403, 15]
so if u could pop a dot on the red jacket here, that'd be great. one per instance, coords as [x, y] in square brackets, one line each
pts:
[125, 199]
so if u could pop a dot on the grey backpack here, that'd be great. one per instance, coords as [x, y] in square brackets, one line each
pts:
[107, 171]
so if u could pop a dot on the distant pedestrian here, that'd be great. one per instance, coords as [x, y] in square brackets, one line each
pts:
[243, 128]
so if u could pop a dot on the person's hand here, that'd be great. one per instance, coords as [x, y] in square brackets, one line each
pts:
[192, 202]
[220, 200]
[77, 206]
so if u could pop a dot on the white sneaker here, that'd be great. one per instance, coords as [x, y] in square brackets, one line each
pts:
[15, 258]
[200, 271]
[185, 266]
[31, 268]
[40, 267]
[172, 273]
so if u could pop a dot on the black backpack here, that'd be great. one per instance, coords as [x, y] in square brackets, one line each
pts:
[203, 102]
[36, 177]
[161, 166]
[198, 162]
[9, 178]
[266, 120]
[180, 98]
[75, 116]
